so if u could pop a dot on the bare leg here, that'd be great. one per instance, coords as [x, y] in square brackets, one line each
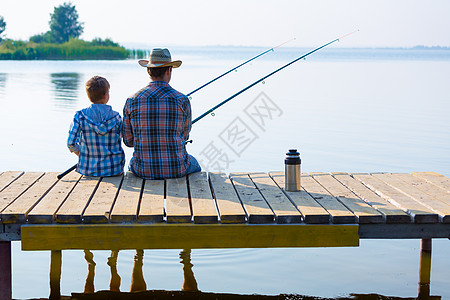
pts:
[137, 277]
[189, 282]
[89, 285]
[114, 283]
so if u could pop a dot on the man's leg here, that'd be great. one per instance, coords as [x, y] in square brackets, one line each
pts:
[194, 166]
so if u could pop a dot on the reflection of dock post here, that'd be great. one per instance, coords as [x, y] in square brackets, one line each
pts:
[5, 270]
[55, 274]
[425, 269]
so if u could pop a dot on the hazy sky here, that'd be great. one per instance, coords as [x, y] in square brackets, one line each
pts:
[391, 23]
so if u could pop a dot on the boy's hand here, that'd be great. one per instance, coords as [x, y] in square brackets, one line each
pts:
[77, 153]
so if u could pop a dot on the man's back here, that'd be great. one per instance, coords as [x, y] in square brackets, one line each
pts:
[157, 122]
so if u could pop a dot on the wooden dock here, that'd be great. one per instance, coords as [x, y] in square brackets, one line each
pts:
[213, 210]
[207, 210]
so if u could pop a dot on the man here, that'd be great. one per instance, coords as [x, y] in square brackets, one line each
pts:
[157, 121]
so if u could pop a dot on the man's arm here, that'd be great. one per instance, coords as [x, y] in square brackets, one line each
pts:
[188, 122]
[127, 129]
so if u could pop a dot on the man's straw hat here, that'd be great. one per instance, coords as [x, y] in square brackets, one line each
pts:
[159, 58]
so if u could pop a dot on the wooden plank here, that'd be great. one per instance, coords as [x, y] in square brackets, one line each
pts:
[437, 179]
[257, 209]
[152, 203]
[363, 211]
[338, 212]
[99, 208]
[203, 206]
[72, 209]
[285, 212]
[425, 186]
[126, 206]
[418, 212]
[313, 212]
[17, 187]
[167, 236]
[391, 213]
[228, 203]
[7, 177]
[418, 195]
[18, 210]
[178, 208]
[45, 210]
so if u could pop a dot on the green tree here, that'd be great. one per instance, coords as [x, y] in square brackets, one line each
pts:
[2, 26]
[64, 23]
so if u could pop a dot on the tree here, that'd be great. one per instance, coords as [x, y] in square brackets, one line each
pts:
[64, 23]
[2, 26]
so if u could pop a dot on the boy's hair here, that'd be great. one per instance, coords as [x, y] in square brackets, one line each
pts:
[157, 72]
[96, 88]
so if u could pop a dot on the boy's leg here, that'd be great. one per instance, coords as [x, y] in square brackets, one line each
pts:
[189, 282]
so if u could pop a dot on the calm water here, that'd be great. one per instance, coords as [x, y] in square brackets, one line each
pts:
[345, 110]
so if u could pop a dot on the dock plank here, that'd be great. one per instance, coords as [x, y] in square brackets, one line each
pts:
[425, 186]
[285, 212]
[392, 214]
[437, 179]
[338, 212]
[18, 210]
[152, 202]
[312, 212]
[435, 205]
[418, 212]
[125, 207]
[72, 209]
[178, 208]
[46, 209]
[228, 203]
[17, 187]
[203, 206]
[99, 208]
[363, 211]
[7, 177]
[256, 207]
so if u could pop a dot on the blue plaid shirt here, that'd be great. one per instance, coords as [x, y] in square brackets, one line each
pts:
[96, 134]
[157, 122]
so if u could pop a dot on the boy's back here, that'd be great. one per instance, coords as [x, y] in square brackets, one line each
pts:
[95, 134]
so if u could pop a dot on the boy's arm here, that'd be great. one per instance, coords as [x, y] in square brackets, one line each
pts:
[127, 130]
[73, 142]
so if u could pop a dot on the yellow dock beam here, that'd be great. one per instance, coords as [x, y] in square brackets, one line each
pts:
[179, 236]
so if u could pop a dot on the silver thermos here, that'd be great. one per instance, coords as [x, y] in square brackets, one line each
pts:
[292, 171]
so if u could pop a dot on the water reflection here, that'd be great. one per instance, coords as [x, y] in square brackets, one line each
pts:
[65, 88]
[3, 78]
[189, 288]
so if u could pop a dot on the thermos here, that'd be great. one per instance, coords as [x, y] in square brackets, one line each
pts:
[292, 171]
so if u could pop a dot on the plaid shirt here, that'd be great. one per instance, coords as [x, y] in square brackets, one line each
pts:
[157, 122]
[96, 134]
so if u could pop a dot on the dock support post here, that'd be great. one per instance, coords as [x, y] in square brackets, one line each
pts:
[425, 269]
[5, 270]
[55, 274]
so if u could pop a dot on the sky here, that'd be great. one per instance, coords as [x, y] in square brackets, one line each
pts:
[381, 23]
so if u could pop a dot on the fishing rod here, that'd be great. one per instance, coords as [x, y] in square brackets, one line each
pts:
[229, 71]
[211, 111]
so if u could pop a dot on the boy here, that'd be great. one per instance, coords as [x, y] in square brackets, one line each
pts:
[95, 134]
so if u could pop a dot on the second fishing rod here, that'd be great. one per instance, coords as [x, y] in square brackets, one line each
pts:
[210, 111]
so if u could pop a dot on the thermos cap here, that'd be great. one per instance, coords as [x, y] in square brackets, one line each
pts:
[292, 157]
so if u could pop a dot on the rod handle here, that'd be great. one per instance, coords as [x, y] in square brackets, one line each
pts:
[67, 171]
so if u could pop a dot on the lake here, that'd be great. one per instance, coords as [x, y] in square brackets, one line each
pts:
[346, 110]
